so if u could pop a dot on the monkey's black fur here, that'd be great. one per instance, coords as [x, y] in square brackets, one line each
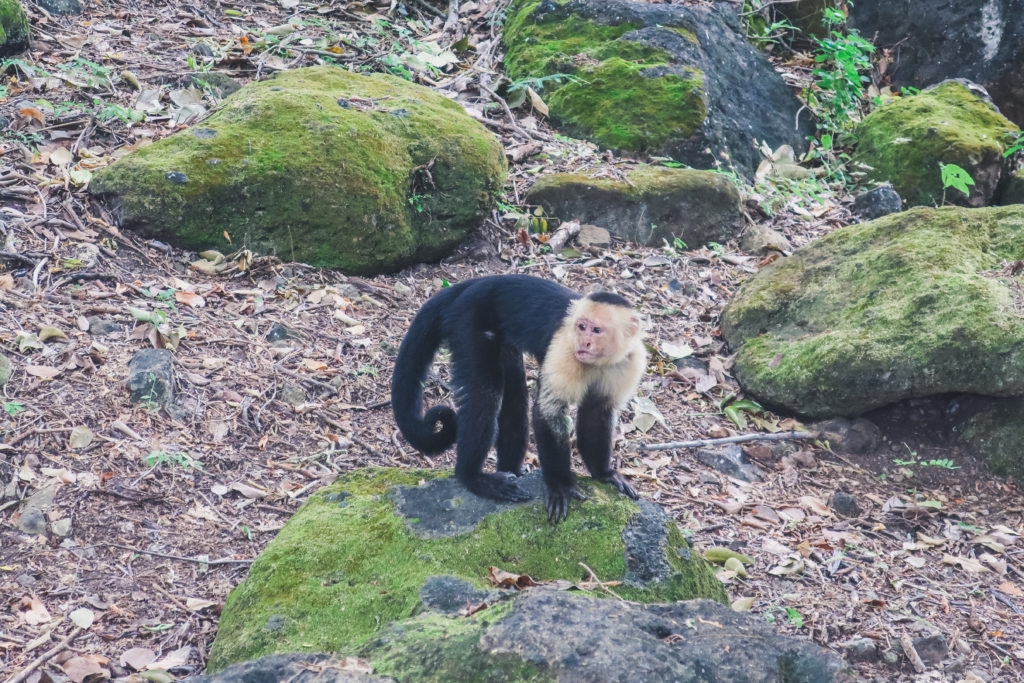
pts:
[488, 323]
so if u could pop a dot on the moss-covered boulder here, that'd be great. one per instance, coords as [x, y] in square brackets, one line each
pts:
[653, 204]
[362, 553]
[362, 173]
[992, 429]
[905, 142]
[912, 304]
[14, 28]
[1012, 191]
[677, 79]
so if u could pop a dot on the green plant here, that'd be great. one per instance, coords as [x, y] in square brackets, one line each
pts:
[12, 408]
[1016, 143]
[179, 458]
[734, 409]
[843, 59]
[108, 112]
[955, 177]
[794, 618]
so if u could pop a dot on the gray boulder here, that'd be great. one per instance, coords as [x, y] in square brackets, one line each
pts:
[654, 204]
[678, 80]
[909, 305]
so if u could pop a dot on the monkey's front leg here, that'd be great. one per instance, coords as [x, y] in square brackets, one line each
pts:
[595, 432]
[551, 431]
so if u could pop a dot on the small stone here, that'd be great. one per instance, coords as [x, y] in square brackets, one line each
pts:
[277, 333]
[891, 657]
[731, 461]
[62, 527]
[102, 327]
[151, 377]
[931, 649]
[844, 504]
[759, 239]
[26, 580]
[878, 202]
[862, 650]
[293, 394]
[594, 236]
[32, 521]
[61, 7]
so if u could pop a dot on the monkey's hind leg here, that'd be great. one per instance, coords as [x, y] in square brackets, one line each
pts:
[477, 375]
[595, 430]
[513, 418]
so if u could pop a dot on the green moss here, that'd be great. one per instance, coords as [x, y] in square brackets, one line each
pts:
[315, 166]
[432, 647]
[905, 141]
[14, 26]
[617, 100]
[907, 305]
[346, 565]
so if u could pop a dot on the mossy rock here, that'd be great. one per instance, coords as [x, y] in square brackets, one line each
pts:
[663, 79]
[1013, 191]
[14, 28]
[992, 429]
[320, 165]
[655, 204]
[905, 142]
[361, 553]
[909, 305]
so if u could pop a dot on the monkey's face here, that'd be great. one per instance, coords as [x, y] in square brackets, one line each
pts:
[593, 338]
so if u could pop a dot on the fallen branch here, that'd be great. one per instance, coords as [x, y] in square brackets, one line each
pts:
[742, 438]
[175, 557]
[43, 658]
[566, 231]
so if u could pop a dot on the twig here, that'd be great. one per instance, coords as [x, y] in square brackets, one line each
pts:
[566, 231]
[508, 112]
[742, 438]
[175, 557]
[911, 652]
[601, 583]
[309, 380]
[41, 659]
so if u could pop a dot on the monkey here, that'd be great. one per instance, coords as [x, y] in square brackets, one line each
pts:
[590, 352]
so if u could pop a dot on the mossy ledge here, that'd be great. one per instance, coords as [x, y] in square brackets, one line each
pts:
[346, 565]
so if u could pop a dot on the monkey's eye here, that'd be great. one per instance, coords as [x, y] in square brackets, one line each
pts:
[597, 330]
[581, 326]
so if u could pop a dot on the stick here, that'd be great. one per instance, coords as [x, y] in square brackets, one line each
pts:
[41, 659]
[911, 652]
[742, 438]
[175, 557]
[566, 231]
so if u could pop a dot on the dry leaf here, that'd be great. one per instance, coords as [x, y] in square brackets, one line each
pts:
[32, 611]
[78, 668]
[189, 299]
[81, 437]
[196, 604]
[966, 563]
[42, 371]
[815, 505]
[742, 604]
[82, 617]
[1011, 588]
[504, 579]
[137, 658]
[173, 660]
[248, 491]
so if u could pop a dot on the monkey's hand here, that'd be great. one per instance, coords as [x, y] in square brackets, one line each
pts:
[618, 481]
[558, 501]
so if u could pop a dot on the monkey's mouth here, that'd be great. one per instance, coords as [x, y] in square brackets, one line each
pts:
[584, 355]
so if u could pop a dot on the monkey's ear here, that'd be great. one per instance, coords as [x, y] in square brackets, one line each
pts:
[635, 325]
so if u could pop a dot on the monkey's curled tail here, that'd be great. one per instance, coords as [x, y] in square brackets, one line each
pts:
[435, 431]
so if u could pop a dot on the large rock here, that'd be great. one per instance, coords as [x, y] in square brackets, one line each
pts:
[905, 142]
[908, 305]
[14, 28]
[680, 80]
[362, 173]
[991, 429]
[933, 40]
[654, 204]
[374, 548]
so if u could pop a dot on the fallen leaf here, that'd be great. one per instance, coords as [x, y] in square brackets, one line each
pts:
[78, 668]
[504, 579]
[138, 658]
[742, 604]
[966, 563]
[248, 491]
[32, 611]
[81, 437]
[189, 299]
[815, 505]
[1011, 588]
[82, 617]
[173, 660]
[197, 604]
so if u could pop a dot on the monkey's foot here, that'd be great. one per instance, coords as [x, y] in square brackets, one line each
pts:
[500, 486]
[519, 471]
[618, 481]
[558, 500]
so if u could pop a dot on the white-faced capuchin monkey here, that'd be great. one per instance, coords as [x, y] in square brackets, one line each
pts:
[591, 355]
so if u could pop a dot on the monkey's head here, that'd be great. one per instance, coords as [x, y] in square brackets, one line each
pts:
[605, 327]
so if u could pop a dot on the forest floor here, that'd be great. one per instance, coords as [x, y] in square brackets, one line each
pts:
[155, 517]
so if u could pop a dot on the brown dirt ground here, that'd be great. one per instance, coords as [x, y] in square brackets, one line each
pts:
[270, 423]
